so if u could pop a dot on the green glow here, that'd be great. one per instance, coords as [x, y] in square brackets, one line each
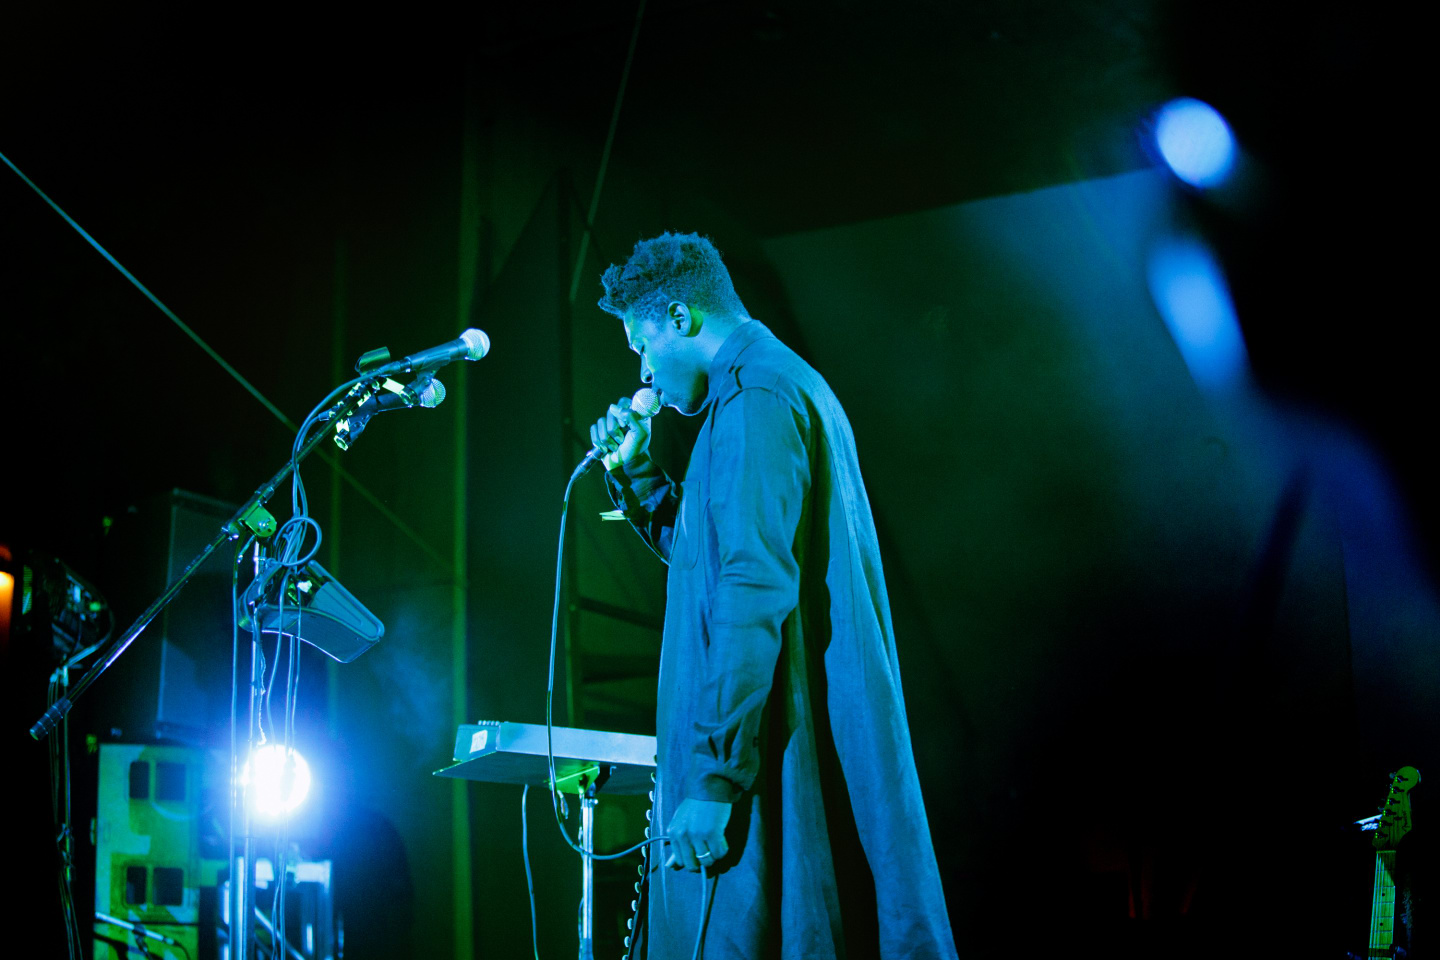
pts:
[588, 772]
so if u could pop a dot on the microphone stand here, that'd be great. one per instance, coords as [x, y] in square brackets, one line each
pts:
[251, 516]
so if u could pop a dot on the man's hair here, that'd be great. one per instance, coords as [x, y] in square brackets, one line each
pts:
[672, 266]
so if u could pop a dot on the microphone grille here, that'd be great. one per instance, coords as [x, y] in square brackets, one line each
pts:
[646, 402]
[433, 395]
[478, 343]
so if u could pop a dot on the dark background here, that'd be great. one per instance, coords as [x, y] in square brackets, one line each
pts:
[1159, 647]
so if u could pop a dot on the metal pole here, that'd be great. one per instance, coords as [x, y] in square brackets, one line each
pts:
[242, 874]
[587, 896]
[469, 269]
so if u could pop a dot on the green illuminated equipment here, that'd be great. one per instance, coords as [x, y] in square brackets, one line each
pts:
[149, 867]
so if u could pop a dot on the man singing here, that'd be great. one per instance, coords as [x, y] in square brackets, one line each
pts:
[785, 766]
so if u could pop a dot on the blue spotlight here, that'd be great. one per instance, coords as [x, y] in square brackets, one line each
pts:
[277, 782]
[1195, 141]
[1191, 295]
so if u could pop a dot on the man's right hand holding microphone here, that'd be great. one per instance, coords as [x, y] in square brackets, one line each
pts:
[622, 436]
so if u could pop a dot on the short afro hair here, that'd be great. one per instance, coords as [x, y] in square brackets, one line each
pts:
[672, 266]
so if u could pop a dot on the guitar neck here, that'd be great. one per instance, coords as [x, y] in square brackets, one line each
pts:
[1382, 907]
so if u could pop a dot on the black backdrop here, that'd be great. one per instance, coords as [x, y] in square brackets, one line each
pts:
[1136, 678]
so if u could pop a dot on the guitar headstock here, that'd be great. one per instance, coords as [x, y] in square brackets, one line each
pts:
[1395, 814]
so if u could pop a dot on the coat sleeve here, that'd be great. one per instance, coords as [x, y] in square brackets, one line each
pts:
[648, 498]
[759, 479]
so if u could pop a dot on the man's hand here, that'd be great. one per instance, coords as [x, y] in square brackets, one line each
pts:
[697, 835]
[621, 435]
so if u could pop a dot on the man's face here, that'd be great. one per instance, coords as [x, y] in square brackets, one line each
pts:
[669, 362]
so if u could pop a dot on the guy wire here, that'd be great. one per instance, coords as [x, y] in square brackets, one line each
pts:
[250, 388]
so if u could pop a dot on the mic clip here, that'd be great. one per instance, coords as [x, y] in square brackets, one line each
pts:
[348, 430]
[387, 394]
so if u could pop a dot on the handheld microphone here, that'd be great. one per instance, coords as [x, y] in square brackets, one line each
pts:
[645, 404]
[471, 345]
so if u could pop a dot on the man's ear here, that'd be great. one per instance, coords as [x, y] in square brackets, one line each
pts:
[678, 315]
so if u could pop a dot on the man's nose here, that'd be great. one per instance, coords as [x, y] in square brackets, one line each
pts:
[645, 376]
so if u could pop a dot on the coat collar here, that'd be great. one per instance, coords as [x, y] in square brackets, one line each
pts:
[728, 355]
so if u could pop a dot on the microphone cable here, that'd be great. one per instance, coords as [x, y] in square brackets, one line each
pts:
[529, 877]
[291, 556]
[707, 882]
[550, 699]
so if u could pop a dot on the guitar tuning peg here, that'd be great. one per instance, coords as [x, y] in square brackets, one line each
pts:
[627, 943]
[630, 924]
[647, 816]
[637, 886]
[640, 869]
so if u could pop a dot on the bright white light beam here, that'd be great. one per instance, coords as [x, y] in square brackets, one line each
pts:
[276, 784]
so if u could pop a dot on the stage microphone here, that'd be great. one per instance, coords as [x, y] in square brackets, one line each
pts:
[424, 391]
[471, 345]
[645, 404]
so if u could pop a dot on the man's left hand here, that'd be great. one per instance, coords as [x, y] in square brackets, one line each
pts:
[697, 835]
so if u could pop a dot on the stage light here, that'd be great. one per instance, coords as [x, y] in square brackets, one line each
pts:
[276, 784]
[1195, 141]
[1192, 297]
[7, 597]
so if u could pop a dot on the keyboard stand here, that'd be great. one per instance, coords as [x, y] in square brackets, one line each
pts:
[586, 762]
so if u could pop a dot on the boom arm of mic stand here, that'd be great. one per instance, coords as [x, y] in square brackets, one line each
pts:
[252, 515]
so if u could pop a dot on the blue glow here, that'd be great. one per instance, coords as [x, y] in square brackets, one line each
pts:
[1192, 297]
[277, 782]
[1195, 141]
